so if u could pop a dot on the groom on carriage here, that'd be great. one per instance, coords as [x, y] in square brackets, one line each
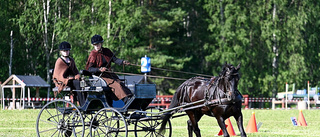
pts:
[66, 74]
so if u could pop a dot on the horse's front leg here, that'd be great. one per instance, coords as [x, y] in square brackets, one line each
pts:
[222, 125]
[239, 119]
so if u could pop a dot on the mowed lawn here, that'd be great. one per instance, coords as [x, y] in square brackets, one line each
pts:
[275, 123]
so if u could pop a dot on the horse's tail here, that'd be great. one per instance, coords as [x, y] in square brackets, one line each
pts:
[167, 115]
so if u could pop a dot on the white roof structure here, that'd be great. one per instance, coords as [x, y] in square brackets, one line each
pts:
[22, 82]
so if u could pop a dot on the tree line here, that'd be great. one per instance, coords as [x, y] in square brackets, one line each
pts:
[276, 41]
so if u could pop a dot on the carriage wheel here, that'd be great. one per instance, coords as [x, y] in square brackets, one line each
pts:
[108, 122]
[150, 125]
[60, 118]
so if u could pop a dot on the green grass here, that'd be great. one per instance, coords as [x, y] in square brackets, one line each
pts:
[276, 123]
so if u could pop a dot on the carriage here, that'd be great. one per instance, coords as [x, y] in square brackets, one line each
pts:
[97, 117]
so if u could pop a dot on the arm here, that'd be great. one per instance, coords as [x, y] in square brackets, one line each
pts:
[117, 60]
[93, 70]
[114, 58]
[120, 61]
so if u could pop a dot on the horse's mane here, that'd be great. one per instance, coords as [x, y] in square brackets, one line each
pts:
[216, 87]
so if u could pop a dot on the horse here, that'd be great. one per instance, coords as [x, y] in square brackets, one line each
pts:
[221, 99]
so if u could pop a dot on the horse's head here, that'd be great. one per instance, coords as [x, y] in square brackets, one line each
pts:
[229, 80]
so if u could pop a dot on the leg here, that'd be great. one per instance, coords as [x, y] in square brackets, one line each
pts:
[109, 99]
[222, 125]
[194, 117]
[73, 96]
[80, 97]
[119, 90]
[190, 128]
[239, 119]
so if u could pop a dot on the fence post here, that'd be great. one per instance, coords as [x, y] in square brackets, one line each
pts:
[246, 101]
[308, 95]
[273, 103]
[1, 96]
[287, 88]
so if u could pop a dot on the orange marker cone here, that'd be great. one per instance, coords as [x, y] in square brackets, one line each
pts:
[230, 128]
[220, 132]
[252, 125]
[301, 120]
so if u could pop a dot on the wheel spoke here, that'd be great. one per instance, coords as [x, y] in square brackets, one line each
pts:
[51, 122]
[48, 130]
[55, 133]
[51, 115]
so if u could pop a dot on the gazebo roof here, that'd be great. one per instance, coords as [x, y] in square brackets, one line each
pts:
[27, 81]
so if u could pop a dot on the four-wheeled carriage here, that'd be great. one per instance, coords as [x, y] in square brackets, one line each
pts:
[100, 115]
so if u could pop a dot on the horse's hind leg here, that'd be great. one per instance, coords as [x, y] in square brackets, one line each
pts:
[193, 123]
[190, 128]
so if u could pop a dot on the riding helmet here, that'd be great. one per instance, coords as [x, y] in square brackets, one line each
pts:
[64, 46]
[96, 39]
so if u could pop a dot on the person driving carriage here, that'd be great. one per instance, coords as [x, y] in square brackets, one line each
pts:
[98, 64]
[66, 73]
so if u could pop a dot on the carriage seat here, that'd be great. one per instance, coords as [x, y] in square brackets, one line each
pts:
[65, 89]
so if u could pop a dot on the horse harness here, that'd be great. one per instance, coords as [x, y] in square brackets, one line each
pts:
[209, 101]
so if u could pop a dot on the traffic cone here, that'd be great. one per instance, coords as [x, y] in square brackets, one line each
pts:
[301, 120]
[220, 132]
[252, 125]
[230, 128]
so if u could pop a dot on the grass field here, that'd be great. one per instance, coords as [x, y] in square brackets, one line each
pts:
[276, 123]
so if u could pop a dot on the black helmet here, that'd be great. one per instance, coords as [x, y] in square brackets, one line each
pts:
[96, 39]
[64, 46]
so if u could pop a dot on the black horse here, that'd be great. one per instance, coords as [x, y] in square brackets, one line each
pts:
[221, 99]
